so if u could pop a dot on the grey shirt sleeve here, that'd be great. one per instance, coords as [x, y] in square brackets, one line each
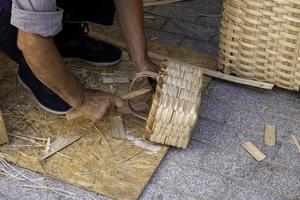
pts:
[37, 16]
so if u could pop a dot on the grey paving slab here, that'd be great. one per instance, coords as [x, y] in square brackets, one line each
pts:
[255, 121]
[287, 181]
[188, 180]
[175, 11]
[169, 38]
[215, 109]
[252, 193]
[214, 39]
[288, 155]
[148, 8]
[238, 165]
[214, 166]
[193, 155]
[160, 192]
[217, 134]
[230, 138]
[212, 7]
[248, 97]
[190, 29]
[286, 93]
[269, 102]
[212, 22]
[294, 129]
[156, 23]
[290, 108]
[177, 159]
[199, 45]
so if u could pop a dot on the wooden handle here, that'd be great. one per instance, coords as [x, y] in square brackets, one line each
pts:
[130, 95]
[136, 93]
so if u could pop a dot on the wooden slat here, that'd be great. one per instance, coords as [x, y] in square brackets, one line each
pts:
[136, 93]
[59, 144]
[133, 94]
[208, 72]
[270, 135]
[296, 142]
[3, 131]
[115, 79]
[159, 2]
[117, 128]
[254, 151]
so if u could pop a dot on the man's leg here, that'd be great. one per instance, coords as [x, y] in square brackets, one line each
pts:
[8, 33]
[8, 44]
[43, 57]
[73, 42]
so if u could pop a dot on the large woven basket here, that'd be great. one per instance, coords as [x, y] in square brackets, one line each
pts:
[260, 39]
[175, 105]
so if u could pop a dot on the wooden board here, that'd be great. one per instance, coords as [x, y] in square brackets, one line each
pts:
[159, 2]
[203, 60]
[96, 162]
[117, 41]
[117, 127]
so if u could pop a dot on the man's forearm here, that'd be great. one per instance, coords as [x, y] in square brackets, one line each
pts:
[48, 66]
[131, 18]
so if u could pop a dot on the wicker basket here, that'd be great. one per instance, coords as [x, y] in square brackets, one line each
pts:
[260, 39]
[175, 105]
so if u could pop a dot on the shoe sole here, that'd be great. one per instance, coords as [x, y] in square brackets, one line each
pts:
[43, 107]
[95, 64]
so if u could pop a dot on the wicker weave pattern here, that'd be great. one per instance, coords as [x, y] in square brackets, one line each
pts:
[175, 105]
[260, 39]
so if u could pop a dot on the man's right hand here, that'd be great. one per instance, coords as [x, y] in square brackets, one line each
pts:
[97, 104]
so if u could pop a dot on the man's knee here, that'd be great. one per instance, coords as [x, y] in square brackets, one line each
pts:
[41, 17]
[27, 42]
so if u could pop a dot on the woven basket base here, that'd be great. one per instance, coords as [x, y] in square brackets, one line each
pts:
[175, 105]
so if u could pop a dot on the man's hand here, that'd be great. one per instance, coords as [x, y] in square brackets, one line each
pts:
[46, 63]
[97, 104]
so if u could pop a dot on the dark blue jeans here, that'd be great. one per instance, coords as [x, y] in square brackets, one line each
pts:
[97, 11]
[8, 33]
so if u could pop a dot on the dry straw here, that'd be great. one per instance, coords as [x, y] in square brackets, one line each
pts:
[260, 39]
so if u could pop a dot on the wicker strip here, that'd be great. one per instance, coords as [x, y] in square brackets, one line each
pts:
[175, 105]
[260, 40]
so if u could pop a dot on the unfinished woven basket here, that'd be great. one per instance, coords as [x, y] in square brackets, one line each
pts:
[260, 39]
[175, 105]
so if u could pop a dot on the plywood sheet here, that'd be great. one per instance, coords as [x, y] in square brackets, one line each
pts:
[189, 56]
[159, 2]
[96, 162]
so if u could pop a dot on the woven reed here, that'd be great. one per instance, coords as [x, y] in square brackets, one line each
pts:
[175, 105]
[260, 39]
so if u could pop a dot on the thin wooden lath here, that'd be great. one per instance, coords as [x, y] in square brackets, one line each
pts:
[159, 2]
